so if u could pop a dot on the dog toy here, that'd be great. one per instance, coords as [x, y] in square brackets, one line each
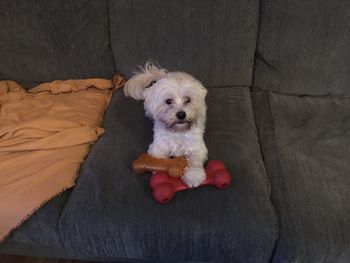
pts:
[165, 187]
[174, 167]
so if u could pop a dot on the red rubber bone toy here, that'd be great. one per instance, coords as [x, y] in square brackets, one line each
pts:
[165, 186]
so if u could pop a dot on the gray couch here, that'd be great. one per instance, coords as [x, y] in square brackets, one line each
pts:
[278, 75]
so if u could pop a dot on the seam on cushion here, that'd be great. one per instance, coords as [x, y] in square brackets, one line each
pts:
[325, 96]
[267, 178]
[267, 181]
[257, 42]
[281, 182]
[275, 150]
[228, 86]
[109, 35]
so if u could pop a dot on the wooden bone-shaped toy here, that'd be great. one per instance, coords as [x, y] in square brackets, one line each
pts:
[173, 167]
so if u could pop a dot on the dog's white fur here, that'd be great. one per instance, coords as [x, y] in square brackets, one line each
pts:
[165, 94]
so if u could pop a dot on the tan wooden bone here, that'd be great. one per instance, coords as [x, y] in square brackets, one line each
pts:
[147, 163]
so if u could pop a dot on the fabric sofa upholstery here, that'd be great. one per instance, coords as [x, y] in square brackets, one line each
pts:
[302, 111]
[306, 148]
[277, 73]
[111, 212]
[44, 40]
[199, 37]
[41, 229]
[303, 47]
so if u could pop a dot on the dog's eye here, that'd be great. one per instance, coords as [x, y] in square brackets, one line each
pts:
[169, 101]
[187, 100]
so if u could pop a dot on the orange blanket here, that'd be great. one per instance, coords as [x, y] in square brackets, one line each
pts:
[45, 134]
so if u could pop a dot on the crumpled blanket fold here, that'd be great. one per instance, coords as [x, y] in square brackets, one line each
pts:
[45, 134]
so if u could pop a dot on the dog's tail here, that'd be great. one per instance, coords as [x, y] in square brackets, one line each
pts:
[142, 79]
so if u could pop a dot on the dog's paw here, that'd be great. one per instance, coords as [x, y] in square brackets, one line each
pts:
[193, 177]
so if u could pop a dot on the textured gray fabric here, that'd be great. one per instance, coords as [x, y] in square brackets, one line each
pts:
[306, 146]
[213, 40]
[8, 247]
[47, 40]
[41, 228]
[22, 249]
[111, 212]
[303, 47]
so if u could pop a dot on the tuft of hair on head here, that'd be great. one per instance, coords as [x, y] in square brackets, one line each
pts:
[142, 79]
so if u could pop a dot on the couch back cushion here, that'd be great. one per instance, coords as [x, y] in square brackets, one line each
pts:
[213, 40]
[44, 40]
[304, 47]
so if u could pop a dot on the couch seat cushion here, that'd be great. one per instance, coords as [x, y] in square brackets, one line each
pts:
[111, 212]
[39, 232]
[306, 146]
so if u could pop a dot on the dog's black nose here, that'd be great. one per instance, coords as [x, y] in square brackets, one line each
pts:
[181, 115]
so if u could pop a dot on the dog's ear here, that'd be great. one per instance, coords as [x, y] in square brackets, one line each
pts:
[204, 92]
[201, 91]
[141, 80]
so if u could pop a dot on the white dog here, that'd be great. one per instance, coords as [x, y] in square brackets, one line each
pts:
[175, 102]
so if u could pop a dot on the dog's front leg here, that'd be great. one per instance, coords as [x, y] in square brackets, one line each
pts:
[195, 174]
[158, 150]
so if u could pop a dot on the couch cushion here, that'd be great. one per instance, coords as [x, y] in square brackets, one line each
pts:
[303, 47]
[43, 40]
[111, 212]
[38, 236]
[40, 229]
[306, 146]
[213, 40]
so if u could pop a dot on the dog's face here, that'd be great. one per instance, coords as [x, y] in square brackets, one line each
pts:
[177, 101]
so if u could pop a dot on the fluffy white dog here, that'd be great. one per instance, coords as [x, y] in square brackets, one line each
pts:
[175, 102]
